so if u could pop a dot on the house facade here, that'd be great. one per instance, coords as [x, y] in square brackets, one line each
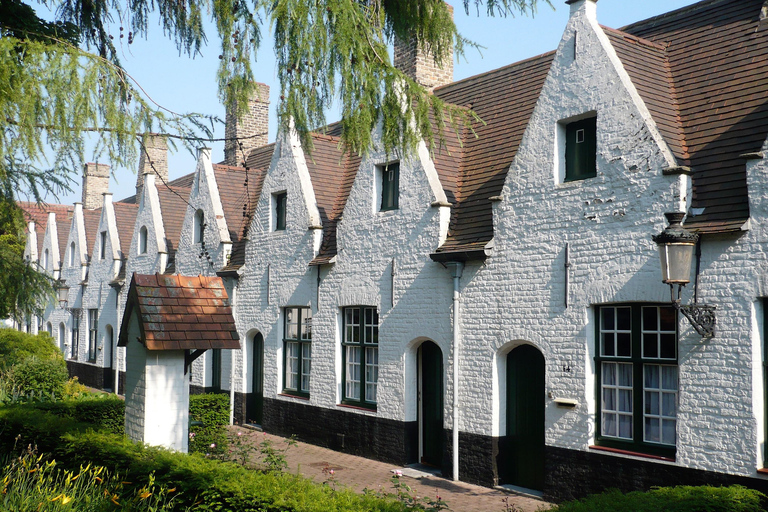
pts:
[495, 308]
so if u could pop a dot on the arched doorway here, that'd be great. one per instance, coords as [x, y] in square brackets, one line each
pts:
[431, 431]
[109, 374]
[255, 404]
[522, 453]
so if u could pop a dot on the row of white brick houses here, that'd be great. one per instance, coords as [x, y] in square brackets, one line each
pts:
[502, 295]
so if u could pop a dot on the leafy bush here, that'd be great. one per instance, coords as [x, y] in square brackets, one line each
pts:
[74, 390]
[16, 346]
[672, 499]
[212, 410]
[39, 378]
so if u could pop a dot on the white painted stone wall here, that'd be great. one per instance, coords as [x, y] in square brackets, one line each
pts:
[277, 275]
[98, 294]
[190, 257]
[157, 395]
[73, 275]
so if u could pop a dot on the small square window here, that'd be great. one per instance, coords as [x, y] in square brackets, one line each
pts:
[390, 187]
[581, 149]
[280, 201]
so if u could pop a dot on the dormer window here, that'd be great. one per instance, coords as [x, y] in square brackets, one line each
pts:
[581, 149]
[103, 245]
[280, 204]
[143, 240]
[72, 254]
[390, 186]
[198, 227]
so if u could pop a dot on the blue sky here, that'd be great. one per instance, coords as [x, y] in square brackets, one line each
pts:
[184, 85]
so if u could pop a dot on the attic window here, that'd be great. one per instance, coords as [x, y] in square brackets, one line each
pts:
[72, 254]
[581, 149]
[390, 186]
[279, 203]
[143, 240]
[103, 245]
[199, 227]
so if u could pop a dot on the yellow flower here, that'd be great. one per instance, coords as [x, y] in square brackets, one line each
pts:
[145, 495]
[114, 499]
[65, 499]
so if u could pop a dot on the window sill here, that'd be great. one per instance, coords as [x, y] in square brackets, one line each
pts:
[287, 394]
[631, 453]
[762, 471]
[357, 407]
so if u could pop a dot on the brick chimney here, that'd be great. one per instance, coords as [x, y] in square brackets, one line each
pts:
[95, 184]
[250, 131]
[153, 160]
[420, 65]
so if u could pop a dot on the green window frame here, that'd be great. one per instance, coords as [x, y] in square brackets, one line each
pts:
[281, 204]
[637, 378]
[581, 149]
[93, 331]
[390, 187]
[297, 350]
[360, 356]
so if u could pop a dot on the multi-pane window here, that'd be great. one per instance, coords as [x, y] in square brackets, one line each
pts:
[637, 377]
[361, 355]
[297, 347]
[281, 204]
[75, 334]
[390, 186]
[581, 149]
[93, 329]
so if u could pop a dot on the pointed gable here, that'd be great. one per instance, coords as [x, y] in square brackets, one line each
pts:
[718, 58]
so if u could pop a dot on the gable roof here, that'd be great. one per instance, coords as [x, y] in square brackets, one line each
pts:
[38, 213]
[717, 52]
[504, 99]
[239, 190]
[91, 219]
[168, 304]
[173, 206]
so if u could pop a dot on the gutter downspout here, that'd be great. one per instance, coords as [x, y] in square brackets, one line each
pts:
[456, 267]
[232, 364]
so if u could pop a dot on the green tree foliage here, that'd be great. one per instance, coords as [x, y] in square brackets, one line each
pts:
[61, 80]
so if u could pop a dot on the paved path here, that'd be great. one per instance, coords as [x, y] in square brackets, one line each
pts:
[359, 473]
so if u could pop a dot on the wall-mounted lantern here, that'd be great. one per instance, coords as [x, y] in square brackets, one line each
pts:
[62, 291]
[676, 248]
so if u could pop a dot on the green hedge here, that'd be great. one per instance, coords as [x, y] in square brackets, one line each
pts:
[206, 485]
[106, 412]
[673, 499]
[212, 410]
[16, 346]
[39, 378]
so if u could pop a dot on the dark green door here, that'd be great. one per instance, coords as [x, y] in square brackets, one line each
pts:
[255, 408]
[431, 404]
[523, 460]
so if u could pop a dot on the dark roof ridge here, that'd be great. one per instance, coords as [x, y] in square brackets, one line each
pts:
[671, 14]
[632, 37]
[486, 74]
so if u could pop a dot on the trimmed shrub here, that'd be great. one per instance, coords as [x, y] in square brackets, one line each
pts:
[39, 378]
[212, 410]
[16, 346]
[103, 411]
[682, 498]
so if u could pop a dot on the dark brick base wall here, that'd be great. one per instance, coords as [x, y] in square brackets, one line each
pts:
[349, 432]
[95, 376]
[571, 474]
[240, 402]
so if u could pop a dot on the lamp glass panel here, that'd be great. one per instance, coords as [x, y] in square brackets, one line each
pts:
[676, 262]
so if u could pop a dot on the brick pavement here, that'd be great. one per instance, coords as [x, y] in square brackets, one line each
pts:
[358, 473]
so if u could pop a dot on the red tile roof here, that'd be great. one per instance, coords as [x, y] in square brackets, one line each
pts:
[167, 305]
[91, 220]
[125, 218]
[240, 197]
[39, 214]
